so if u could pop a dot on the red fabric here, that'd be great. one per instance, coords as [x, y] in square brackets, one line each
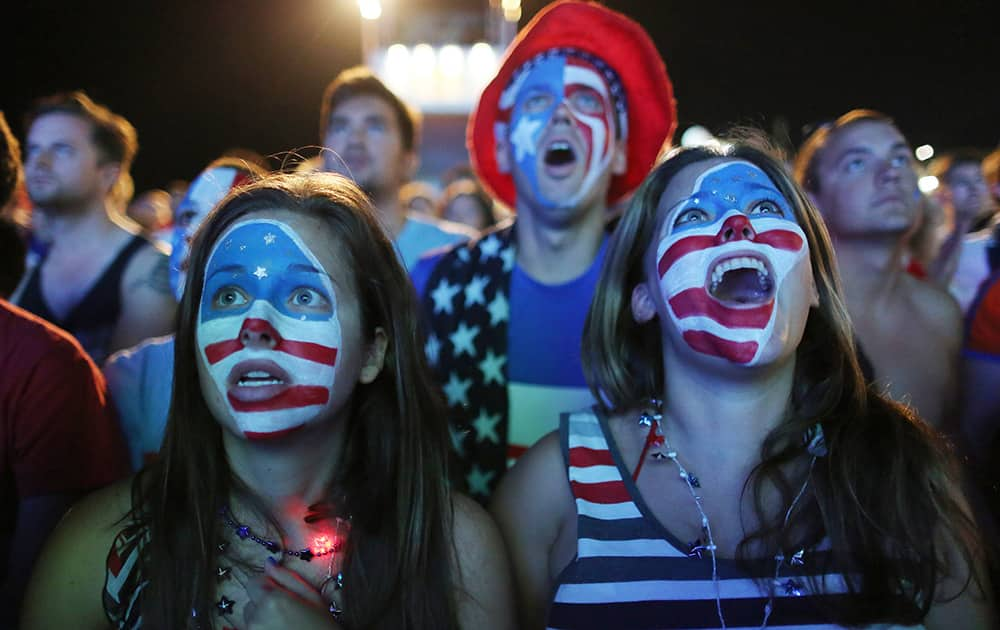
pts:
[58, 432]
[916, 269]
[621, 43]
[984, 320]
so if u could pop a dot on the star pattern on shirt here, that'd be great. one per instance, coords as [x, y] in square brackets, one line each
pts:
[490, 247]
[499, 309]
[479, 481]
[474, 291]
[523, 137]
[492, 368]
[507, 256]
[269, 238]
[485, 425]
[260, 272]
[458, 439]
[462, 339]
[456, 390]
[432, 349]
[443, 295]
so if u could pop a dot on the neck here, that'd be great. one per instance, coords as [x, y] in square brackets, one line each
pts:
[87, 221]
[723, 416]
[389, 210]
[870, 268]
[290, 473]
[555, 254]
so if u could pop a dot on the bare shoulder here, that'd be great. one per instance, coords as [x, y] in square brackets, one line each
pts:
[538, 479]
[935, 304]
[485, 597]
[65, 587]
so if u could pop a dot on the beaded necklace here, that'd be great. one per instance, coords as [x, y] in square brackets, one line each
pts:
[657, 448]
[322, 546]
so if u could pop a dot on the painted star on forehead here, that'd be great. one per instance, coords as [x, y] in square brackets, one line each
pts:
[432, 349]
[269, 238]
[260, 272]
[243, 248]
[474, 291]
[499, 309]
[485, 425]
[443, 295]
[456, 390]
[523, 137]
[507, 256]
[492, 368]
[479, 481]
[462, 339]
[490, 247]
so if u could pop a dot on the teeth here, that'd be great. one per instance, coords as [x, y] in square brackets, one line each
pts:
[559, 145]
[257, 382]
[743, 262]
[257, 374]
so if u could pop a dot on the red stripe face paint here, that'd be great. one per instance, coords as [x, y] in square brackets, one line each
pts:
[268, 331]
[733, 265]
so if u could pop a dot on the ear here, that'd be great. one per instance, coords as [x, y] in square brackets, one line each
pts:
[374, 357]
[643, 307]
[109, 174]
[619, 161]
[411, 162]
[502, 148]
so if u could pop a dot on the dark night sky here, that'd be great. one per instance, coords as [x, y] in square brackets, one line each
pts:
[199, 77]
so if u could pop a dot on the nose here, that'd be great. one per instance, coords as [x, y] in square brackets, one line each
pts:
[562, 113]
[735, 228]
[258, 333]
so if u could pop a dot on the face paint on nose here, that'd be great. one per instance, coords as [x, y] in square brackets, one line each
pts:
[726, 254]
[541, 149]
[268, 330]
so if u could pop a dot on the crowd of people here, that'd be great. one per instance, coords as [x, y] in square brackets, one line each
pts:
[591, 380]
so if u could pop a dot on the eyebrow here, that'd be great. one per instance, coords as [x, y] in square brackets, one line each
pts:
[225, 268]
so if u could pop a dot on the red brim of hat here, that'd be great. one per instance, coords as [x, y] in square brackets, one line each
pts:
[626, 48]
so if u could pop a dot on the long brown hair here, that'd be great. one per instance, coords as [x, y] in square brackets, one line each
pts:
[392, 477]
[884, 495]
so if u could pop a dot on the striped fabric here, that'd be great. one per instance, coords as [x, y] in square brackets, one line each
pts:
[123, 582]
[629, 572]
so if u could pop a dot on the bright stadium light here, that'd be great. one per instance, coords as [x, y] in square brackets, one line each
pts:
[927, 184]
[924, 152]
[451, 61]
[423, 60]
[370, 9]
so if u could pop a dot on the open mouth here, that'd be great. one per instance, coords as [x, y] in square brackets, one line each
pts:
[741, 279]
[559, 158]
[256, 380]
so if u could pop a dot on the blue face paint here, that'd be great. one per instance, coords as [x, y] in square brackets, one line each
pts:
[538, 97]
[268, 331]
[735, 185]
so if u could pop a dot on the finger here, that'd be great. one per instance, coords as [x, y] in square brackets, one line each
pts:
[292, 582]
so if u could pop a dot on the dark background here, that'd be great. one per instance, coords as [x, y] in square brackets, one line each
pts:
[197, 78]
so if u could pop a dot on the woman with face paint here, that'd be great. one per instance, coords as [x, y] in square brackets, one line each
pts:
[737, 472]
[303, 477]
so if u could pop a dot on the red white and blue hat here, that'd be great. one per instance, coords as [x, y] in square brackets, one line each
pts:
[618, 46]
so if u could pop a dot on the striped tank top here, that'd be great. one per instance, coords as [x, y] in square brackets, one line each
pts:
[629, 572]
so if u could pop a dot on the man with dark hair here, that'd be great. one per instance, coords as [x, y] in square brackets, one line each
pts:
[58, 437]
[571, 124]
[371, 136]
[99, 279]
[859, 173]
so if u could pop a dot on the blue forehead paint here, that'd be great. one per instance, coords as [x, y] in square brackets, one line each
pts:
[732, 185]
[261, 259]
[544, 78]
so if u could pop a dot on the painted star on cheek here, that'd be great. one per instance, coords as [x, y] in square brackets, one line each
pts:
[260, 272]
[523, 137]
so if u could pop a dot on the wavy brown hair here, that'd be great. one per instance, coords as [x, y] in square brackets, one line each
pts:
[884, 496]
[392, 477]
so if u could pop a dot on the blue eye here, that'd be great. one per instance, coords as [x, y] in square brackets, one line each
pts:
[900, 161]
[854, 166]
[537, 103]
[308, 299]
[691, 216]
[767, 208]
[229, 297]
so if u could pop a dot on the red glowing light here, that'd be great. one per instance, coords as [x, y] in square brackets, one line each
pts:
[323, 545]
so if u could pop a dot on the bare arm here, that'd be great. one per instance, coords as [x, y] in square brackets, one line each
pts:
[148, 303]
[532, 506]
[65, 588]
[485, 601]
